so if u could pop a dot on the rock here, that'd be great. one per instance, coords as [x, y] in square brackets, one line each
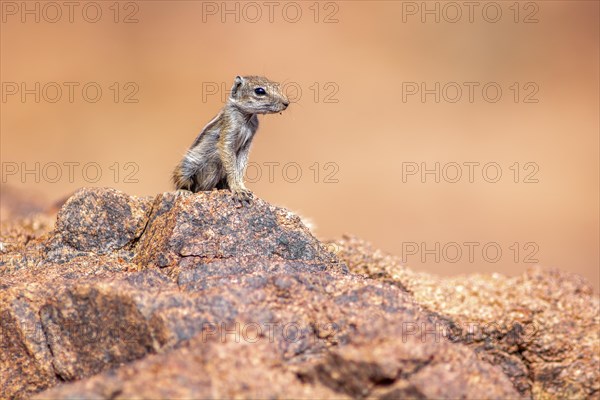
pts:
[27, 362]
[22, 242]
[194, 230]
[202, 368]
[93, 311]
[386, 360]
[314, 332]
[541, 328]
[97, 221]
[195, 297]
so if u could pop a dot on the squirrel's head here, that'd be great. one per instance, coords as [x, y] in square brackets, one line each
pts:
[258, 95]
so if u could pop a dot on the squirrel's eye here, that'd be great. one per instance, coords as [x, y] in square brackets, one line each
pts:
[260, 91]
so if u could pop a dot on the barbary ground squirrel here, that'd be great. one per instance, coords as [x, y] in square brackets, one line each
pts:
[219, 155]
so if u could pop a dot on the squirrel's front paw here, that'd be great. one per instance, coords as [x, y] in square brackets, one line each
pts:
[242, 196]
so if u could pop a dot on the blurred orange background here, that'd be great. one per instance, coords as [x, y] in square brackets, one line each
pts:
[113, 93]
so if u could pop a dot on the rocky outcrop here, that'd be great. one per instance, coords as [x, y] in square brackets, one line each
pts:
[195, 297]
[541, 328]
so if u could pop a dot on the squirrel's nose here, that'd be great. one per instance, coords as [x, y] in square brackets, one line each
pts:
[286, 103]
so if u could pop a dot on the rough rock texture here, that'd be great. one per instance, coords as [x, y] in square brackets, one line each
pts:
[542, 328]
[191, 231]
[193, 297]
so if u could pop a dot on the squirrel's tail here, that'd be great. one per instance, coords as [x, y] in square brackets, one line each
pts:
[182, 180]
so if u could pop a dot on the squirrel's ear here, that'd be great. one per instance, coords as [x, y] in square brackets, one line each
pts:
[236, 85]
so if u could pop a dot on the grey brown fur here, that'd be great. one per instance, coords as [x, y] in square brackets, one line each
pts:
[219, 155]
